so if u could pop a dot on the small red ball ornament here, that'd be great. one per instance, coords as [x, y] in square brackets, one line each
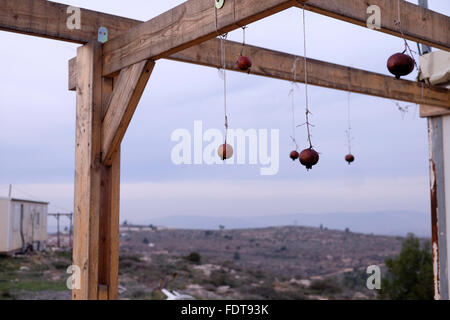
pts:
[225, 151]
[309, 157]
[349, 158]
[244, 63]
[294, 155]
[400, 64]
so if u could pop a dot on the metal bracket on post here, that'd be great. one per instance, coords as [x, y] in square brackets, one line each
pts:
[219, 3]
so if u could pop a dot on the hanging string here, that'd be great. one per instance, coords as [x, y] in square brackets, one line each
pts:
[307, 112]
[292, 95]
[405, 109]
[224, 76]
[398, 23]
[243, 39]
[223, 65]
[349, 128]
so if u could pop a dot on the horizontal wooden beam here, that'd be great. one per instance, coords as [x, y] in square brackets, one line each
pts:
[49, 19]
[123, 101]
[184, 26]
[432, 111]
[278, 65]
[418, 24]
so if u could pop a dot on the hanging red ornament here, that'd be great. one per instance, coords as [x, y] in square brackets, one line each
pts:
[349, 158]
[294, 155]
[400, 64]
[309, 157]
[244, 63]
[225, 151]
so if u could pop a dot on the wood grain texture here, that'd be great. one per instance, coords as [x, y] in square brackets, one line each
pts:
[123, 102]
[184, 26]
[113, 227]
[108, 266]
[432, 111]
[103, 292]
[418, 24]
[87, 169]
[97, 186]
[108, 271]
[278, 65]
[48, 19]
[274, 64]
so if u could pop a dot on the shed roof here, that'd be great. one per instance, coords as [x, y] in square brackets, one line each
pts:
[29, 201]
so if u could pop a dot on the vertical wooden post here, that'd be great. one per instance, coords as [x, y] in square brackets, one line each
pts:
[104, 109]
[87, 169]
[108, 271]
[97, 186]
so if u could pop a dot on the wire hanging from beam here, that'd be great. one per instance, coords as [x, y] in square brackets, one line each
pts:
[398, 23]
[349, 125]
[307, 112]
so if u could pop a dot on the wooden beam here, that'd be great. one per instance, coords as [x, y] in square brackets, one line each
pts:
[87, 169]
[123, 102]
[48, 19]
[97, 186]
[418, 24]
[184, 26]
[108, 271]
[278, 65]
[432, 111]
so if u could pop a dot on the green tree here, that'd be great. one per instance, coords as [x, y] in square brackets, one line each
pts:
[410, 274]
[194, 257]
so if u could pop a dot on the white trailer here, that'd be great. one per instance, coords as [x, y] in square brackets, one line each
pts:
[23, 224]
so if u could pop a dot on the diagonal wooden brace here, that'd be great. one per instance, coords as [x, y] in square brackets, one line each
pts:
[122, 103]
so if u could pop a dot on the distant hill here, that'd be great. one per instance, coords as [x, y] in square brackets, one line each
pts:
[397, 223]
[284, 251]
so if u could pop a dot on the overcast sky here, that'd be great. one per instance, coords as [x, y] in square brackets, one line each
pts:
[37, 126]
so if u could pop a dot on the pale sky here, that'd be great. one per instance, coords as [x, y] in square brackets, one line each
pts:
[37, 126]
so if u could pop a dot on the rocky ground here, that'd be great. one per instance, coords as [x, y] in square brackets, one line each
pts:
[270, 263]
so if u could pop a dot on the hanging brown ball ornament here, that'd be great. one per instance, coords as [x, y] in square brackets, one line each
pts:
[309, 157]
[225, 151]
[400, 64]
[349, 158]
[294, 155]
[244, 63]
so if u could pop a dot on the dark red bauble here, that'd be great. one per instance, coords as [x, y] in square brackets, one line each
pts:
[244, 63]
[400, 64]
[309, 157]
[349, 158]
[294, 155]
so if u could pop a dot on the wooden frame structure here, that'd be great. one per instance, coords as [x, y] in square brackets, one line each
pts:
[110, 78]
